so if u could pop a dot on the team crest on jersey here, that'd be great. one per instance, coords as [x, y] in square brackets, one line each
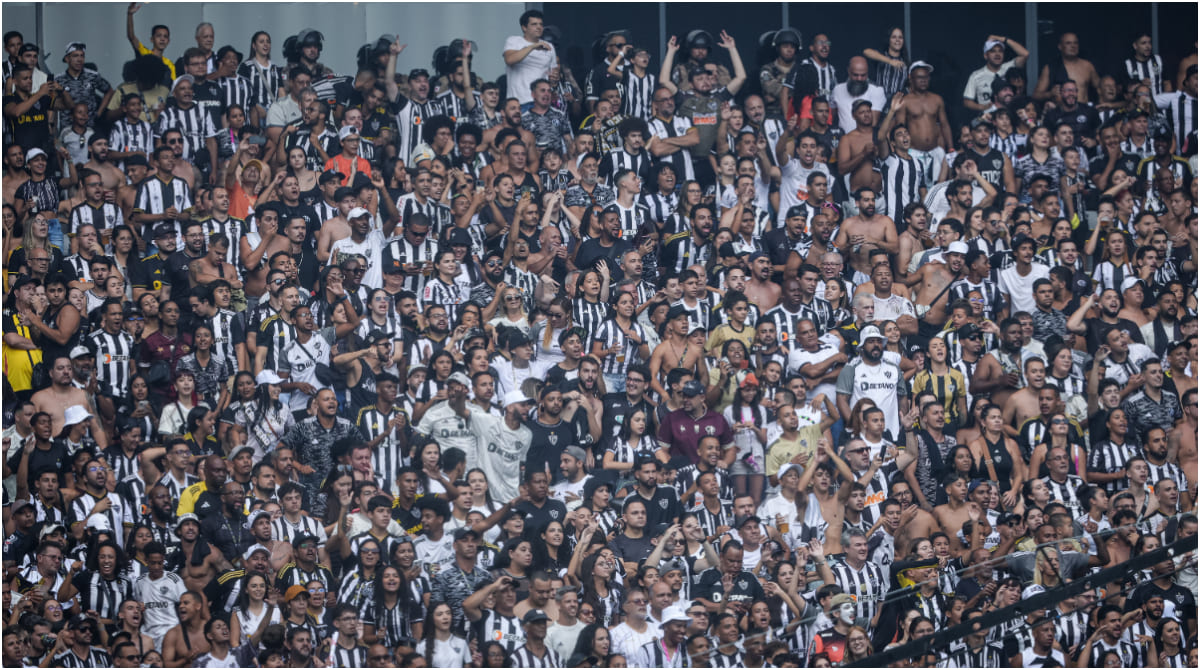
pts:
[710, 430]
[553, 438]
[554, 514]
[743, 584]
[663, 503]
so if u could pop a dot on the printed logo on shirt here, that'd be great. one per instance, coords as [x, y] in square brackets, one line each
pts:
[704, 120]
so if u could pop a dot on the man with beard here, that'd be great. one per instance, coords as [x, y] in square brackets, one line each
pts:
[865, 232]
[780, 245]
[553, 430]
[226, 529]
[510, 121]
[1067, 67]
[931, 281]
[977, 96]
[1166, 326]
[845, 96]
[609, 247]
[871, 377]
[1151, 406]
[999, 373]
[773, 74]
[701, 103]
[670, 651]
[814, 77]
[589, 192]
[796, 154]
[761, 289]
[102, 163]
[1093, 328]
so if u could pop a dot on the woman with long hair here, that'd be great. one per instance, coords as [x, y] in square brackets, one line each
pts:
[253, 610]
[782, 601]
[551, 551]
[357, 583]
[1038, 160]
[76, 437]
[748, 419]
[36, 236]
[149, 303]
[1005, 137]
[835, 295]
[691, 194]
[297, 166]
[512, 313]
[961, 463]
[945, 382]
[104, 586]
[997, 456]
[259, 69]
[329, 294]
[1170, 644]
[854, 425]
[889, 68]
[515, 560]
[492, 654]
[1059, 435]
[337, 493]
[440, 646]
[381, 315]
[974, 422]
[392, 612]
[600, 589]
[597, 497]
[173, 420]
[211, 372]
[547, 332]
[593, 642]
[858, 645]
[590, 307]
[632, 440]
[620, 342]
[125, 254]
[1115, 262]
[1034, 493]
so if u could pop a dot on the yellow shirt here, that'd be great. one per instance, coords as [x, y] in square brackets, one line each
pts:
[187, 499]
[781, 451]
[143, 50]
[18, 363]
[725, 332]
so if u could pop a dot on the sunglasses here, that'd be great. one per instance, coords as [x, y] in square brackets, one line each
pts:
[357, 271]
[1058, 422]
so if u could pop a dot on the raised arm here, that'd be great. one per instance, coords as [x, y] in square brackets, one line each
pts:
[129, 31]
[739, 70]
[664, 72]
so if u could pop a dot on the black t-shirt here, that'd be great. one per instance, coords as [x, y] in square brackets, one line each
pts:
[547, 445]
[149, 273]
[1126, 162]
[745, 587]
[592, 251]
[1084, 120]
[538, 517]
[176, 271]
[662, 507]
[1185, 603]
[54, 458]
[616, 408]
[31, 129]
[1096, 329]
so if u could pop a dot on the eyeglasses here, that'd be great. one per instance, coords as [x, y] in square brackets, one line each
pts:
[493, 264]
[54, 608]
[96, 468]
[131, 657]
[379, 657]
[316, 591]
[279, 282]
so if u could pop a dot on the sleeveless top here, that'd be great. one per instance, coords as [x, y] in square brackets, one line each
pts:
[1001, 461]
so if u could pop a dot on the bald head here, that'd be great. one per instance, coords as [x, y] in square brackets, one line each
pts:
[858, 65]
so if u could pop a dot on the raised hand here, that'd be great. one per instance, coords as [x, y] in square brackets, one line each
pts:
[726, 41]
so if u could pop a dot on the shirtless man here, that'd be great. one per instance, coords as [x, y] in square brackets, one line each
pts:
[255, 261]
[212, 265]
[924, 112]
[957, 510]
[930, 280]
[181, 167]
[102, 163]
[136, 170]
[1072, 67]
[759, 288]
[176, 651]
[1182, 442]
[510, 118]
[869, 230]
[1023, 405]
[856, 152]
[61, 394]
[195, 577]
[1000, 380]
[675, 351]
[821, 226]
[338, 227]
[14, 171]
[915, 239]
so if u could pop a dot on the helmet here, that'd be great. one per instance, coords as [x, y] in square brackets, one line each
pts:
[787, 36]
[310, 38]
[699, 39]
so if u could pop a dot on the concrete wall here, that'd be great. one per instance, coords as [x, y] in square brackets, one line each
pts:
[346, 26]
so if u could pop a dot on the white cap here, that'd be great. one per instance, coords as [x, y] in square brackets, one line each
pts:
[76, 414]
[423, 152]
[268, 377]
[99, 524]
[675, 613]
[786, 468]
[80, 350]
[180, 79]
[918, 64]
[1130, 282]
[357, 212]
[1032, 590]
[33, 153]
[515, 397]
[991, 44]
[250, 519]
[957, 247]
[347, 131]
[870, 332]
[462, 378]
[254, 548]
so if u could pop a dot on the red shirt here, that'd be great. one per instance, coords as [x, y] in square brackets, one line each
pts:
[683, 433]
[831, 643]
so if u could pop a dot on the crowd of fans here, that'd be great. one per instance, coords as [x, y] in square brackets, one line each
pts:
[665, 364]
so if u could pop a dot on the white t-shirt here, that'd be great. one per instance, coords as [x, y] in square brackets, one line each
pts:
[524, 72]
[159, 596]
[499, 451]
[844, 102]
[979, 84]
[1019, 289]
[793, 185]
[452, 653]
[882, 383]
[371, 248]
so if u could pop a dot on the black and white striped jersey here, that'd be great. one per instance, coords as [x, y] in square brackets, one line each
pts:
[113, 354]
[620, 159]
[818, 79]
[1180, 109]
[275, 334]
[680, 251]
[820, 312]
[354, 657]
[325, 211]
[155, 196]
[993, 299]
[409, 121]
[1071, 629]
[1071, 386]
[400, 251]
[235, 90]
[655, 655]
[867, 584]
[389, 455]
[127, 136]
[175, 488]
[1109, 457]
[195, 124]
[1009, 146]
[96, 658]
[902, 182]
[786, 324]
[105, 217]
[633, 219]
[265, 82]
[523, 657]
[990, 655]
[1065, 493]
[638, 94]
[285, 531]
[699, 314]
[710, 521]
[82, 507]
[456, 107]
[228, 332]
[494, 626]
[1167, 470]
[589, 316]
[660, 207]
[717, 659]
[1150, 70]
[1143, 150]
[609, 335]
[681, 160]
[438, 292]
[303, 138]
[409, 204]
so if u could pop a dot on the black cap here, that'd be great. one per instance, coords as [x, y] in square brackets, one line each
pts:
[330, 175]
[676, 311]
[980, 121]
[693, 388]
[375, 337]
[418, 72]
[743, 520]
[533, 616]
[968, 331]
[797, 210]
[459, 237]
[302, 538]
[465, 531]
[22, 280]
[164, 230]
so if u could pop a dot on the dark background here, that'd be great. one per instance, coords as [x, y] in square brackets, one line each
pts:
[948, 36]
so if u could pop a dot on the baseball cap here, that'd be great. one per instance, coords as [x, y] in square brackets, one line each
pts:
[518, 339]
[957, 247]
[22, 281]
[786, 468]
[743, 520]
[422, 152]
[21, 504]
[33, 153]
[918, 64]
[968, 331]
[759, 254]
[860, 103]
[251, 518]
[184, 518]
[293, 592]
[841, 599]
[357, 212]
[254, 548]
[375, 337]
[346, 132]
[576, 452]
[464, 532]
[301, 539]
[980, 121]
[693, 388]
[328, 176]
[868, 333]
[164, 230]
[28, 47]
[460, 378]
[533, 616]
[71, 48]
[1130, 282]
[797, 210]
[991, 44]
[80, 351]
[675, 312]
[675, 613]
[458, 237]
[237, 451]
[180, 79]
[50, 529]
[268, 377]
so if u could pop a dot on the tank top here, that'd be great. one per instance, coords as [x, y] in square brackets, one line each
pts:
[1001, 462]
[362, 394]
